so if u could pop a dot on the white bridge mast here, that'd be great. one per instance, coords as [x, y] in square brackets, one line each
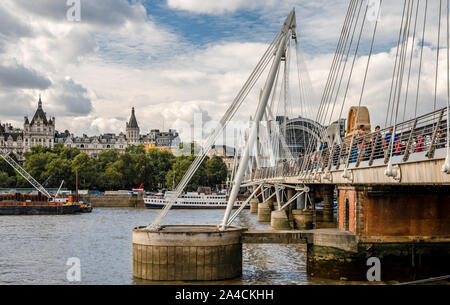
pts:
[289, 24]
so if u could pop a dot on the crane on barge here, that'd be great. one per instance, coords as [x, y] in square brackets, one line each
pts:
[84, 207]
[26, 176]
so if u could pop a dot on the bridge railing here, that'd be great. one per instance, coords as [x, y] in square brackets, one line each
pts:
[424, 134]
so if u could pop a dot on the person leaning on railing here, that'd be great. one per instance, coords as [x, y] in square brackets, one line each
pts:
[323, 154]
[377, 144]
[361, 142]
[440, 139]
[337, 151]
[354, 149]
[387, 142]
[420, 145]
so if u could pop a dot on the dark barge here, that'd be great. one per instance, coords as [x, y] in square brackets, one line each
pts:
[44, 208]
[23, 204]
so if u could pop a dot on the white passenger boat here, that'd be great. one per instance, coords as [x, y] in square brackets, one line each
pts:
[189, 201]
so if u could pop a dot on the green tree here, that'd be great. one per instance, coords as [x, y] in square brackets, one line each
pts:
[36, 166]
[127, 167]
[68, 153]
[87, 174]
[107, 157]
[133, 149]
[111, 179]
[216, 171]
[178, 170]
[7, 181]
[109, 171]
[6, 168]
[145, 171]
[60, 168]
[162, 162]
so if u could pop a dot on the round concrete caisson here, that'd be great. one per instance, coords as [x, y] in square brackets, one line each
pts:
[254, 206]
[279, 221]
[187, 253]
[264, 212]
[303, 219]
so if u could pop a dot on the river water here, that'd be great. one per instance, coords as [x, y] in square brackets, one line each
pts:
[35, 249]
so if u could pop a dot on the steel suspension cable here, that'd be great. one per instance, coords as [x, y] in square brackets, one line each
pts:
[343, 71]
[395, 66]
[437, 55]
[364, 81]
[399, 90]
[335, 76]
[335, 62]
[223, 122]
[400, 63]
[411, 59]
[421, 57]
[342, 76]
[306, 101]
[312, 143]
[405, 46]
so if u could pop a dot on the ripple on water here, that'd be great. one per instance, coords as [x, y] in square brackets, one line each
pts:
[35, 249]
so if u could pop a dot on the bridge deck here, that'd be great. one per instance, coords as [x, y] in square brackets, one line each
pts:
[417, 158]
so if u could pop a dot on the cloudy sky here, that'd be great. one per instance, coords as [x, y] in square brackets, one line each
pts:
[173, 58]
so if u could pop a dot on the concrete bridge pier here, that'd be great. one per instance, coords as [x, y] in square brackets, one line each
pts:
[254, 205]
[264, 212]
[327, 194]
[406, 228]
[279, 220]
[187, 253]
[303, 219]
[289, 194]
[301, 202]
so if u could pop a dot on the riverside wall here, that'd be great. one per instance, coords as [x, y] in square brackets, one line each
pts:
[115, 201]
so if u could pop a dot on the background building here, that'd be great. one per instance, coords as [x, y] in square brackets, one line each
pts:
[11, 140]
[132, 129]
[41, 132]
[168, 141]
[93, 146]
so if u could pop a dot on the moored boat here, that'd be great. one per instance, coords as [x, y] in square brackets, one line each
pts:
[29, 204]
[38, 208]
[189, 201]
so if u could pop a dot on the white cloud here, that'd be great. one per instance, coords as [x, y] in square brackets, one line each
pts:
[15, 75]
[216, 7]
[124, 59]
